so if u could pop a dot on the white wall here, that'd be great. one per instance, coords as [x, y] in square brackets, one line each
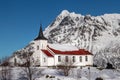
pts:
[50, 61]
[44, 60]
[77, 60]
[38, 45]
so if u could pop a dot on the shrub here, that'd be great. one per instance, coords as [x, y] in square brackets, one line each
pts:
[109, 66]
[94, 65]
[99, 78]
[47, 76]
[52, 76]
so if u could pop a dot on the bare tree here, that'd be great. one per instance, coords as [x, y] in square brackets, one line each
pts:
[66, 66]
[5, 72]
[27, 66]
[79, 74]
[25, 61]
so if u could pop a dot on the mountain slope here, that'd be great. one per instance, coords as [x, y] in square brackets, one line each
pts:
[100, 34]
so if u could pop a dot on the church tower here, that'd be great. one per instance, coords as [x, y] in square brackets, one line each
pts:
[41, 41]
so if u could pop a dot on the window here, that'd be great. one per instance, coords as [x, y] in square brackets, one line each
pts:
[86, 58]
[80, 58]
[73, 59]
[37, 47]
[59, 58]
[42, 45]
[66, 58]
[44, 60]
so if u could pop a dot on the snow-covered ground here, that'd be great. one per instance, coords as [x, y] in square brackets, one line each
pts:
[18, 73]
[83, 74]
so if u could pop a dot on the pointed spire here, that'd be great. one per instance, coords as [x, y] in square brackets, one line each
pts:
[40, 35]
[40, 31]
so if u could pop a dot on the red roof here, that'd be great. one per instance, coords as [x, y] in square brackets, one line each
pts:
[47, 53]
[75, 52]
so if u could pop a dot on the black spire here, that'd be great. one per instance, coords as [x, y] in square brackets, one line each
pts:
[40, 35]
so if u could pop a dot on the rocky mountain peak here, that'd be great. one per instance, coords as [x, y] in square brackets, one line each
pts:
[65, 12]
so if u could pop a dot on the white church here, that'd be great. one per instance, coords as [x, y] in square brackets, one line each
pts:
[59, 54]
[48, 55]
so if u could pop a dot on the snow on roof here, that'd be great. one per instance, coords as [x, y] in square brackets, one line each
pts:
[63, 47]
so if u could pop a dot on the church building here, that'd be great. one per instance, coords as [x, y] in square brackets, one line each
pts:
[46, 54]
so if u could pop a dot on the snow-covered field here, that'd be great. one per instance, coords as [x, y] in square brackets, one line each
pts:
[18, 73]
[83, 74]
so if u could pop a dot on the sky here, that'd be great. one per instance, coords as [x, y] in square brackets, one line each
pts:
[20, 19]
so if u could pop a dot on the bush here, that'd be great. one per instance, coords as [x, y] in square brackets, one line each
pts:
[94, 65]
[52, 76]
[47, 76]
[109, 66]
[99, 78]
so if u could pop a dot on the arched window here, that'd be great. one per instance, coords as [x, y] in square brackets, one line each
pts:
[80, 58]
[37, 47]
[66, 58]
[73, 58]
[59, 58]
[44, 59]
[86, 58]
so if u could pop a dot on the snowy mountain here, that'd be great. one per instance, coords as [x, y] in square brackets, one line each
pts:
[98, 34]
